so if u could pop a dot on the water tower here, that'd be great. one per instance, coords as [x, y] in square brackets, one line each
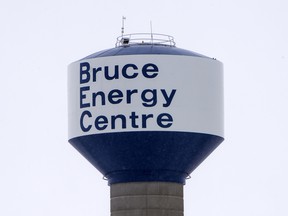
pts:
[145, 114]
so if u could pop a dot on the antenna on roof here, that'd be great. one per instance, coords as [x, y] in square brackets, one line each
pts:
[122, 29]
[151, 31]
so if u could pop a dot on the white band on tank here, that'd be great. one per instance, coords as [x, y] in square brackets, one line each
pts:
[145, 93]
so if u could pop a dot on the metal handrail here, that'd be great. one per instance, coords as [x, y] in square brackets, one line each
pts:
[145, 38]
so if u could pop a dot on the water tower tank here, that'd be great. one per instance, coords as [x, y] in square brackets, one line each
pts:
[145, 111]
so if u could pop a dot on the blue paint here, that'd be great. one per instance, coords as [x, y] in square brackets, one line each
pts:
[143, 49]
[146, 156]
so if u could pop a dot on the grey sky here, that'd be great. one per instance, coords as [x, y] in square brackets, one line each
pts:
[41, 174]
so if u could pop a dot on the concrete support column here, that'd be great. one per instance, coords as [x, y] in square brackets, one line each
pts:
[147, 199]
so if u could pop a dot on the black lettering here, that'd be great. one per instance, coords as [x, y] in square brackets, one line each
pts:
[84, 72]
[83, 128]
[144, 119]
[102, 97]
[150, 70]
[95, 70]
[133, 75]
[113, 121]
[83, 96]
[164, 120]
[101, 122]
[114, 76]
[133, 118]
[168, 98]
[115, 96]
[129, 94]
[149, 101]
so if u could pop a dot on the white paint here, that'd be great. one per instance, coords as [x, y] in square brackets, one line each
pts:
[197, 105]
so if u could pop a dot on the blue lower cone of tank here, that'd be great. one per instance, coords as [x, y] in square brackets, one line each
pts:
[147, 155]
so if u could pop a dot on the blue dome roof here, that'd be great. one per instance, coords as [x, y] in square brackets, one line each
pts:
[144, 49]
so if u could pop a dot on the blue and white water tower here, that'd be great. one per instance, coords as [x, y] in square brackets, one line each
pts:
[145, 114]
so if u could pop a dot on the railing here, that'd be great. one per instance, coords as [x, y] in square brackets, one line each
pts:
[145, 38]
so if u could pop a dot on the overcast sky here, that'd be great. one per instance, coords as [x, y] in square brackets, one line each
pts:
[42, 174]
